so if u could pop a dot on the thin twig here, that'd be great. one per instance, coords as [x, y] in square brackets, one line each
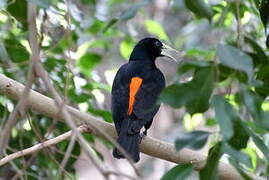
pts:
[42, 28]
[42, 73]
[49, 143]
[29, 161]
[61, 106]
[5, 134]
[240, 38]
[16, 168]
[66, 85]
[69, 151]
[38, 147]
[46, 150]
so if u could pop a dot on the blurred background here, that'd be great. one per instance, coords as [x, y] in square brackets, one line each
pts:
[83, 44]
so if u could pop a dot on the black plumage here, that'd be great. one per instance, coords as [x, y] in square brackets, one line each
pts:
[128, 125]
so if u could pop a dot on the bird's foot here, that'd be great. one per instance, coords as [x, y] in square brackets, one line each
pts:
[145, 132]
[142, 136]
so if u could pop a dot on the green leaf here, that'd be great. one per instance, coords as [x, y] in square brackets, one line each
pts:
[235, 59]
[252, 102]
[211, 122]
[131, 11]
[193, 140]
[240, 137]
[179, 172]
[199, 8]
[177, 95]
[258, 142]
[203, 82]
[210, 171]
[237, 155]
[264, 14]
[51, 63]
[18, 9]
[16, 51]
[187, 66]
[88, 2]
[3, 112]
[156, 29]
[194, 95]
[262, 75]
[126, 48]
[200, 54]
[96, 26]
[78, 97]
[110, 24]
[97, 85]
[224, 114]
[224, 73]
[258, 50]
[242, 9]
[106, 115]
[3, 53]
[239, 169]
[88, 61]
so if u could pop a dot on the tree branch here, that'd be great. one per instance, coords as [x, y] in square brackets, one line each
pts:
[5, 134]
[150, 146]
[240, 35]
[42, 73]
[38, 147]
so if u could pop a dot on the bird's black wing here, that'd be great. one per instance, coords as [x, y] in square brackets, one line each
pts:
[146, 106]
[120, 95]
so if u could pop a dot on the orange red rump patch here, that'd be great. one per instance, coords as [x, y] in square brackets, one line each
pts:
[135, 84]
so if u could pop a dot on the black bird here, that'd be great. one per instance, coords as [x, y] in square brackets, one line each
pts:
[135, 90]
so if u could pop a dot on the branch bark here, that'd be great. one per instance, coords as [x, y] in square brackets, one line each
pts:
[153, 147]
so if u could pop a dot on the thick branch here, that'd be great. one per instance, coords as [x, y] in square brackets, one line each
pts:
[150, 146]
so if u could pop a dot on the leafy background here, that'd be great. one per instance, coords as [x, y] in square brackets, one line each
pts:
[216, 101]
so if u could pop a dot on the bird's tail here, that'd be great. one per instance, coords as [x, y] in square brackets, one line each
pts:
[129, 139]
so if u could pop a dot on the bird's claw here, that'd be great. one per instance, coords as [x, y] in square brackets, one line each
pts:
[142, 136]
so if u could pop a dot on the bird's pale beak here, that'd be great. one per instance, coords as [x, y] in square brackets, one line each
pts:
[166, 51]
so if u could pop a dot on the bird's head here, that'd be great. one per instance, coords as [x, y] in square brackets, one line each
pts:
[150, 49]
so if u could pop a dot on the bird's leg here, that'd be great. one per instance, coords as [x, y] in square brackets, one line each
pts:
[145, 132]
[143, 135]
[147, 126]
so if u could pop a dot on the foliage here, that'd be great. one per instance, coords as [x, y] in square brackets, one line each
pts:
[226, 80]
[193, 140]
[178, 172]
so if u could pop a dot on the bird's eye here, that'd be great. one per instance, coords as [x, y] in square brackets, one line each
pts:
[158, 44]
